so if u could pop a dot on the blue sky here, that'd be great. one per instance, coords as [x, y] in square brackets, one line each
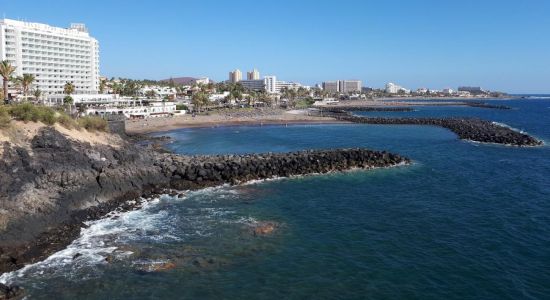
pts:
[498, 44]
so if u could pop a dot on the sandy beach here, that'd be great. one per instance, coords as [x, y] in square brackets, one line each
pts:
[266, 116]
[235, 118]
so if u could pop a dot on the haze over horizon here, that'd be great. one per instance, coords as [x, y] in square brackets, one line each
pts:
[499, 45]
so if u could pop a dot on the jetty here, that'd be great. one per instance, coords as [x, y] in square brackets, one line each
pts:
[472, 129]
[53, 184]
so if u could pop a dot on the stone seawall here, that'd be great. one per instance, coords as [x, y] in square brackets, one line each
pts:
[49, 189]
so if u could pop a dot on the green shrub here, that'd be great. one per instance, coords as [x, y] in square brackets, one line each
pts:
[181, 107]
[66, 121]
[46, 115]
[4, 116]
[29, 112]
[305, 102]
[92, 123]
[23, 112]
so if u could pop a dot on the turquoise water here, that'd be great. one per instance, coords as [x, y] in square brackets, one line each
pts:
[465, 221]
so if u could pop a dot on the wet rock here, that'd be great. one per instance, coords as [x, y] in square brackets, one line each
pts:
[466, 128]
[11, 292]
[62, 185]
[77, 256]
[264, 228]
[158, 267]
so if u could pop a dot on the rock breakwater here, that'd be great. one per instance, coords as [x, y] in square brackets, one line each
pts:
[472, 129]
[337, 109]
[53, 185]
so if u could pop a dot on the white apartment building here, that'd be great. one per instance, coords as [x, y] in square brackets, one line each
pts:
[350, 86]
[331, 86]
[392, 88]
[271, 84]
[342, 86]
[53, 55]
[289, 85]
[254, 85]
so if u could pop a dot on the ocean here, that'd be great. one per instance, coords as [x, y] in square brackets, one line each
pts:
[464, 221]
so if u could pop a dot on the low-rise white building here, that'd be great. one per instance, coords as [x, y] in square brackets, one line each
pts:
[218, 96]
[422, 91]
[58, 99]
[153, 109]
[159, 91]
[392, 88]
[289, 85]
[448, 91]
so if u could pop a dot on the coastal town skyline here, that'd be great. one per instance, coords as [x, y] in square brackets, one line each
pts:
[365, 49]
[288, 150]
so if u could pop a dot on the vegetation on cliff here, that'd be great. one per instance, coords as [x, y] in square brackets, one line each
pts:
[28, 112]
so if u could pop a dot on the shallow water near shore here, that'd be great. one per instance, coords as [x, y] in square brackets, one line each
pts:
[466, 220]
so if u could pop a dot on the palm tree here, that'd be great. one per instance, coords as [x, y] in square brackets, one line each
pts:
[265, 98]
[102, 84]
[17, 83]
[37, 93]
[26, 82]
[199, 100]
[6, 70]
[150, 94]
[251, 98]
[68, 89]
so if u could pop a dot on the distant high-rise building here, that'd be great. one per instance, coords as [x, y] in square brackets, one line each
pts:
[342, 86]
[271, 84]
[53, 55]
[254, 85]
[235, 76]
[331, 86]
[349, 86]
[253, 75]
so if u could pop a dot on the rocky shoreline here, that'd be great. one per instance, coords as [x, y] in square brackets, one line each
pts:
[50, 188]
[471, 129]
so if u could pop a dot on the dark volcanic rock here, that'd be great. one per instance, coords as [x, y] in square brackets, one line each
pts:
[473, 129]
[10, 292]
[49, 190]
[367, 108]
[485, 105]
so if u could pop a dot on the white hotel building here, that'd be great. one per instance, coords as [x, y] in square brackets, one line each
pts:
[269, 84]
[53, 55]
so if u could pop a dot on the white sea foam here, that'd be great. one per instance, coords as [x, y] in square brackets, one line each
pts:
[97, 241]
[101, 237]
[509, 127]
